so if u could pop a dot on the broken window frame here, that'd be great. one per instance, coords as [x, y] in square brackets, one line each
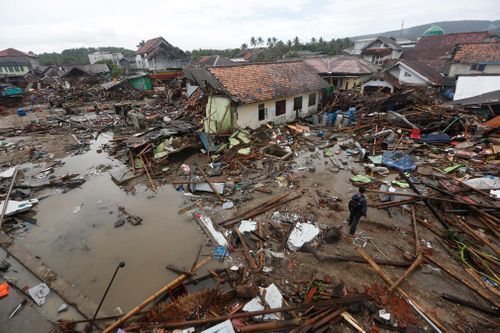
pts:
[280, 108]
[297, 103]
[312, 97]
[262, 112]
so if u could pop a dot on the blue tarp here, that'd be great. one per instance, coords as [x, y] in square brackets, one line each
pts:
[435, 138]
[399, 161]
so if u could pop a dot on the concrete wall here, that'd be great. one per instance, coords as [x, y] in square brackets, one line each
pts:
[100, 56]
[218, 111]
[456, 69]
[15, 70]
[407, 75]
[157, 63]
[247, 115]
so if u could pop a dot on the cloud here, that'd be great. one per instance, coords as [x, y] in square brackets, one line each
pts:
[53, 25]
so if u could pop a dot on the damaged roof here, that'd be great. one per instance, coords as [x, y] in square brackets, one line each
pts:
[423, 69]
[433, 50]
[477, 52]
[250, 83]
[215, 60]
[390, 42]
[342, 65]
[10, 52]
[159, 45]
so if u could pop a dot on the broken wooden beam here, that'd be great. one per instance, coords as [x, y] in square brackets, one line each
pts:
[425, 314]
[492, 310]
[410, 270]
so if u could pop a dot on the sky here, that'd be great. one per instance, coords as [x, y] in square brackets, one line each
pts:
[55, 25]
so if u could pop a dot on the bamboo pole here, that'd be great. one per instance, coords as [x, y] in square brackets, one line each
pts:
[246, 250]
[151, 298]
[410, 270]
[414, 221]
[428, 317]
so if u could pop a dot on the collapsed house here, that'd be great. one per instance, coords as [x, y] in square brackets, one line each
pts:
[254, 94]
[157, 54]
[382, 49]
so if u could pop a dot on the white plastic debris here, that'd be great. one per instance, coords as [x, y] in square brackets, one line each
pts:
[77, 209]
[217, 236]
[227, 205]
[63, 307]
[8, 173]
[301, 234]
[484, 183]
[384, 314]
[224, 327]
[273, 299]
[247, 226]
[495, 194]
[14, 207]
[39, 292]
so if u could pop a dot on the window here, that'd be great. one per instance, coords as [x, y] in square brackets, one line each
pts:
[312, 99]
[262, 112]
[480, 67]
[280, 107]
[407, 74]
[297, 103]
[347, 85]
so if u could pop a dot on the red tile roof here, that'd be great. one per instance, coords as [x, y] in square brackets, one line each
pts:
[477, 52]
[250, 83]
[433, 50]
[149, 45]
[10, 52]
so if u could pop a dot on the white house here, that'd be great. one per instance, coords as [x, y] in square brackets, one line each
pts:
[158, 54]
[101, 56]
[476, 58]
[251, 95]
[381, 49]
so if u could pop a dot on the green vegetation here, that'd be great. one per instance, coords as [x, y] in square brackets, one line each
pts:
[115, 69]
[277, 49]
[78, 56]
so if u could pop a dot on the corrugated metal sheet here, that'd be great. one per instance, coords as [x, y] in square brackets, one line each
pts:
[470, 86]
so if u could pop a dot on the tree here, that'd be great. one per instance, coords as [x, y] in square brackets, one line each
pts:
[253, 41]
[269, 42]
[289, 43]
[141, 44]
[115, 70]
[296, 43]
[313, 40]
[244, 46]
[260, 41]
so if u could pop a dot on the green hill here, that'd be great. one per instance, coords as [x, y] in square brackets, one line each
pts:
[448, 26]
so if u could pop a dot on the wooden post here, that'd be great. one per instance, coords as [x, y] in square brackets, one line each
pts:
[210, 183]
[151, 298]
[417, 239]
[410, 270]
[389, 281]
[7, 196]
[246, 251]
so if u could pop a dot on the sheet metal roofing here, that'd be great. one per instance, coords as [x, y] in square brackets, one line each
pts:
[342, 65]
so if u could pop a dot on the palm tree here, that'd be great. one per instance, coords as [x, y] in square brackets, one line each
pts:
[296, 42]
[269, 42]
[244, 46]
[260, 41]
[289, 43]
[313, 40]
[274, 40]
[253, 41]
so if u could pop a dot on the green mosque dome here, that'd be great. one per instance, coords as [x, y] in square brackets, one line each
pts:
[434, 31]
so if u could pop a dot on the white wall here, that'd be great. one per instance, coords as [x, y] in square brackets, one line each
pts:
[412, 77]
[377, 83]
[470, 86]
[99, 56]
[457, 69]
[247, 115]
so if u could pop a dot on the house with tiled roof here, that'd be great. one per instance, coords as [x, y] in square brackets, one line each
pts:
[403, 73]
[475, 58]
[343, 72]
[213, 60]
[16, 63]
[158, 54]
[436, 50]
[381, 49]
[250, 95]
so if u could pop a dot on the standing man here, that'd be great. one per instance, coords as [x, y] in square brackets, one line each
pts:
[357, 208]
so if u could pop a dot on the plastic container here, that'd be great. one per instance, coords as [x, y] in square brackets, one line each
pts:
[21, 112]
